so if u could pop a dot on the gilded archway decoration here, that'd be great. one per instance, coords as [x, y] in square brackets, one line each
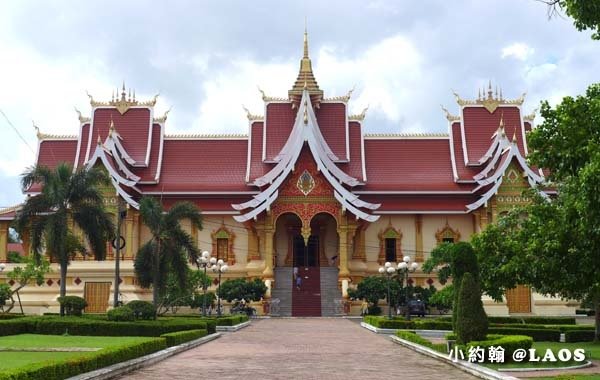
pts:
[390, 233]
[447, 234]
[222, 244]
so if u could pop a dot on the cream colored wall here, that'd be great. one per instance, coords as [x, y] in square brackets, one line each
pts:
[212, 223]
[433, 223]
[403, 223]
[330, 240]
[281, 241]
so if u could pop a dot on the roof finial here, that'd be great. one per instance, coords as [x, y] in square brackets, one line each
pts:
[99, 141]
[134, 94]
[514, 139]
[478, 94]
[305, 112]
[111, 128]
[501, 97]
[129, 93]
[490, 89]
[501, 126]
[123, 93]
[496, 91]
[305, 39]
[37, 130]
[112, 98]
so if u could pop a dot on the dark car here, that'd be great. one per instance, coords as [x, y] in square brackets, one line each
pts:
[417, 307]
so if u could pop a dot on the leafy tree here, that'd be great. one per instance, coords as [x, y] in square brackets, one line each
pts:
[471, 320]
[443, 299]
[240, 288]
[33, 271]
[66, 196]
[585, 13]
[554, 245]
[174, 296]
[453, 260]
[168, 251]
[374, 288]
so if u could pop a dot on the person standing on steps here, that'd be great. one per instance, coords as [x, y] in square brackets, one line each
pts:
[298, 282]
[295, 273]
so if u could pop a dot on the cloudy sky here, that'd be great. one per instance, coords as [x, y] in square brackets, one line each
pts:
[206, 58]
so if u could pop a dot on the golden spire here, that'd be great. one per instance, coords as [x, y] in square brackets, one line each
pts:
[514, 139]
[306, 78]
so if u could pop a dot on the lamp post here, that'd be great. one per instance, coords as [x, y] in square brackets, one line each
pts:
[203, 261]
[218, 266]
[388, 270]
[404, 268]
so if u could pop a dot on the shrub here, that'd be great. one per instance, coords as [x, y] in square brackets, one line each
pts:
[14, 257]
[471, 320]
[374, 310]
[413, 337]
[544, 335]
[232, 320]
[14, 326]
[177, 338]
[61, 370]
[240, 288]
[10, 316]
[580, 336]
[142, 309]
[384, 323]
[433, 325]
[534, 320]
[73, 305]
[121, 314]
[510, 343]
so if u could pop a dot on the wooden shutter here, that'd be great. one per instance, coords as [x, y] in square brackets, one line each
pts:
[96, 294]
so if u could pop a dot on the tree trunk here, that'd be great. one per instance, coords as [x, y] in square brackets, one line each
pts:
[596, 301]
[155, 276]
[63, 285]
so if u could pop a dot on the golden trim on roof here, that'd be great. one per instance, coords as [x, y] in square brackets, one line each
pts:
[449, 116]
[408, 135]
[124, 103]
[47, 136]
[306, 78]
[82, 119]
[207, 136]
[359, 116]
[267, 98]
[163, 118]
[491, 101]
[531, 116]
[252, 117]
[8, 209]
[343, 98]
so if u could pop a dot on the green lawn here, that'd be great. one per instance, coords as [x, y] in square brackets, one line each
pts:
[18, 359]
[571, 377]
[592, 350]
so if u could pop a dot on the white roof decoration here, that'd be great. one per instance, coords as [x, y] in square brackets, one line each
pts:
[306, 130]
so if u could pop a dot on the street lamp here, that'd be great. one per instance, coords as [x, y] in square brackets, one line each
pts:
[388, 270]
[203, 261]
[404, 268]
[218, 266]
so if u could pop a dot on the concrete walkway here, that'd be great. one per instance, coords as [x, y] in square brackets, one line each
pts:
[298, 348]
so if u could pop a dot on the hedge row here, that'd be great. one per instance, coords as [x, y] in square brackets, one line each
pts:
[413, 337]
[62, 370]
[580, 336]
[509, 343]
[232, 320]
[179, 337]
[545, 335]
[11, 316]
[534, 320]
[401, 323]
[82, 326]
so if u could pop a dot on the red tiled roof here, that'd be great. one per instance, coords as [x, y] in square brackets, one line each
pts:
[480, 125]
[53, 152]
[257, 167]
[409, 165]
[464, 172]
[331, 118]
[132, 126]
[207, 203]
[354, 167]
[85, 130]
[426, 203]
[279, 122]
[202, 165]
[149, 173]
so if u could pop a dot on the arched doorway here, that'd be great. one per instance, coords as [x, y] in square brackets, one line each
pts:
[324, 239]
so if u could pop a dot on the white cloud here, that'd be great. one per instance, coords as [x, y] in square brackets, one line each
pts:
[518, 50]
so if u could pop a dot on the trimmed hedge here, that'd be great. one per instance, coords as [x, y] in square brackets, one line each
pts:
[73, 305]
[121, 314]
[411, 336]
[232, 320]
[433, 325]
[544, 335]
[384, 323]
[510, 343]
[64, 369]
[534, 320]
[83, 326]
[142, 309]
[580, 336]
[11, 316]
[179, 337]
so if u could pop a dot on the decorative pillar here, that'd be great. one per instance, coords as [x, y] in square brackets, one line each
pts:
[343, 235]
[253, 252]
[3, 241]
[129, 252]
[345, 288]
[483, 220]
[268, 272]
[419, 238]
[359, 245]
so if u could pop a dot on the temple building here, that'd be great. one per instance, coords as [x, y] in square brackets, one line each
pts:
[306, 187]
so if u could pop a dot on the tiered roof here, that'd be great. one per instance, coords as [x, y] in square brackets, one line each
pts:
[370, 175]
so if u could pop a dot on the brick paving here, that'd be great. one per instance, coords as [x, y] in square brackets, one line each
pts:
[300, 348]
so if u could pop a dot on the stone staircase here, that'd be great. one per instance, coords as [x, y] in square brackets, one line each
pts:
[306, 301]
[283, 291]
[330, 292]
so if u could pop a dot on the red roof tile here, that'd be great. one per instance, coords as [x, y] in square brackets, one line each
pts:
[400, 164]
[279, 121]
[464, 172]
[331, 118]
[53, 152]
[354, 167]
[423, 203]
[257, 167]
[149, 173]
[480, 125]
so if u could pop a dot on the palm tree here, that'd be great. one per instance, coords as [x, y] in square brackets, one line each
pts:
[66, 196]
[170, 247]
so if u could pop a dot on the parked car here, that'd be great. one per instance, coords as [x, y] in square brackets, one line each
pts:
[417, 307]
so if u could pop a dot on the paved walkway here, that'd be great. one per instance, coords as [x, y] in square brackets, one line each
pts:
[299, 348]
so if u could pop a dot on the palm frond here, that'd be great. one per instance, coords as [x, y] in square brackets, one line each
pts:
[35, 174]
[97, 226]
[184, 210]
[152, 214]
[143, 266]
